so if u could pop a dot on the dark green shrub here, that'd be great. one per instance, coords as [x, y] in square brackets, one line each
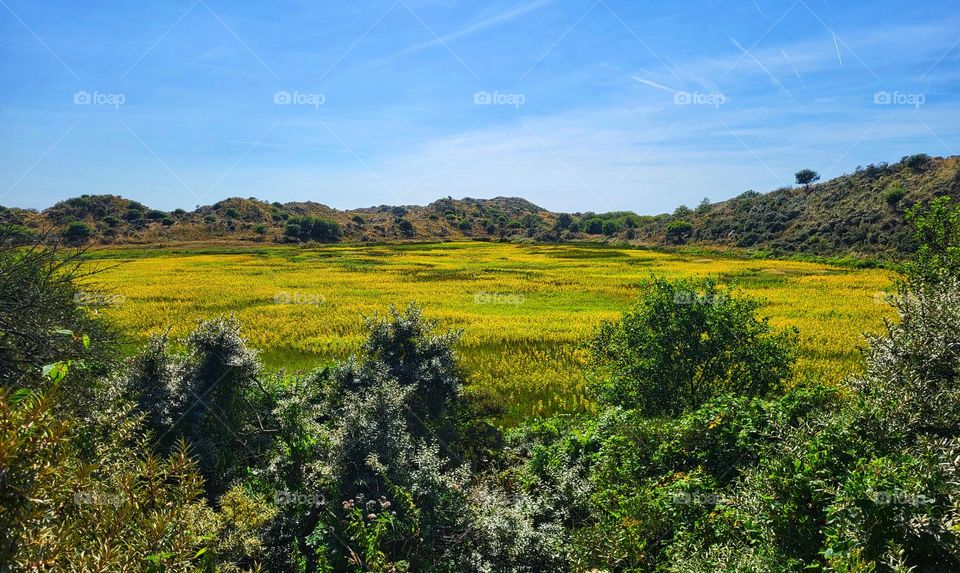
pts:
[683, 342]
[679, 231]
[405, 226]
[894, 194]
[77, 233]
[916, 162]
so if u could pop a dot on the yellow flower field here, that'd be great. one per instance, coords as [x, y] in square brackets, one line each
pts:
[523, 308]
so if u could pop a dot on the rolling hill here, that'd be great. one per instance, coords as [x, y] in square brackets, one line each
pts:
[861, 213]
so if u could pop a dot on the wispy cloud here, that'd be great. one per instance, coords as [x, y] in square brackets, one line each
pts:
[495, 20]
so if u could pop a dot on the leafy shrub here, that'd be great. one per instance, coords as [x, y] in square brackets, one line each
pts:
[211, 395]
[937, 232]
[44, 317]
[894, 194]
[682, 212]
[916, 162]
[679, 231]
[125, 510]
[312, 228]
[77, 233]
[406, 227]
[684, 342]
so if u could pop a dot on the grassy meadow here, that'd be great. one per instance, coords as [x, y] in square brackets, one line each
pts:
[523, 308]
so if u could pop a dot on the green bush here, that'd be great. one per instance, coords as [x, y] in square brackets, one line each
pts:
[894, 194]
[313, 229]
[937, 233]
[679, 231]
[683, 342]
[45, 318]
[77, 233]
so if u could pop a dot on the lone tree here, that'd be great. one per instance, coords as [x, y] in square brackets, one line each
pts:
[806, 176]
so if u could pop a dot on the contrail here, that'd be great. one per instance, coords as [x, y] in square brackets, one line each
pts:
[786, 57]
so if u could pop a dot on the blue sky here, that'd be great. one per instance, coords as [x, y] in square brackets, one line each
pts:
[575, 105]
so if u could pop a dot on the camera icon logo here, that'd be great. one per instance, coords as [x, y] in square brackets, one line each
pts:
[282, 98]
[482, 98]
[882, 98]
[82, 98]
[682, 98]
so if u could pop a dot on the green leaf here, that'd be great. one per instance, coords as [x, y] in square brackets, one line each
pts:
[63, 331]
[86, 341]
[56, 371]
[19, 395]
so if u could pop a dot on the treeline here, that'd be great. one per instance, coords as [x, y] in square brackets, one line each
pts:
[699, 455]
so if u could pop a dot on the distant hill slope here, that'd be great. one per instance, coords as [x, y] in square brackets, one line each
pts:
[861, 213]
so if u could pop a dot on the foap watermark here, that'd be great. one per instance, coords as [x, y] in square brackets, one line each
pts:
[497, 98]
[298, 498]
[899, 98]
[697, 498]
[697, 98]
[83, 97]
[97, 498]
[284, 297]
[498, 298]
[690, 297]
[901, 498]
[89, 298]
[299, 98]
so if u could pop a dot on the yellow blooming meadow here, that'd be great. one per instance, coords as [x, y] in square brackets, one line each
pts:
[523, 308]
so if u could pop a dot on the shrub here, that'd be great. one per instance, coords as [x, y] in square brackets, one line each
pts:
[563, 222]
[77, 233]
[894, 194]
[916, 162]
[937, 233]
[312, 228]
[125, 510]
[405, 226]
[679, 231]
[683, 342]
[292, 231]
[212, 396]
[45, 318]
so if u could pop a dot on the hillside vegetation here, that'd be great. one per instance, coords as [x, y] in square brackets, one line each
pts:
[862, 213]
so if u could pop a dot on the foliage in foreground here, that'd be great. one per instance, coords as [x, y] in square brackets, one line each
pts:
[862, 479]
